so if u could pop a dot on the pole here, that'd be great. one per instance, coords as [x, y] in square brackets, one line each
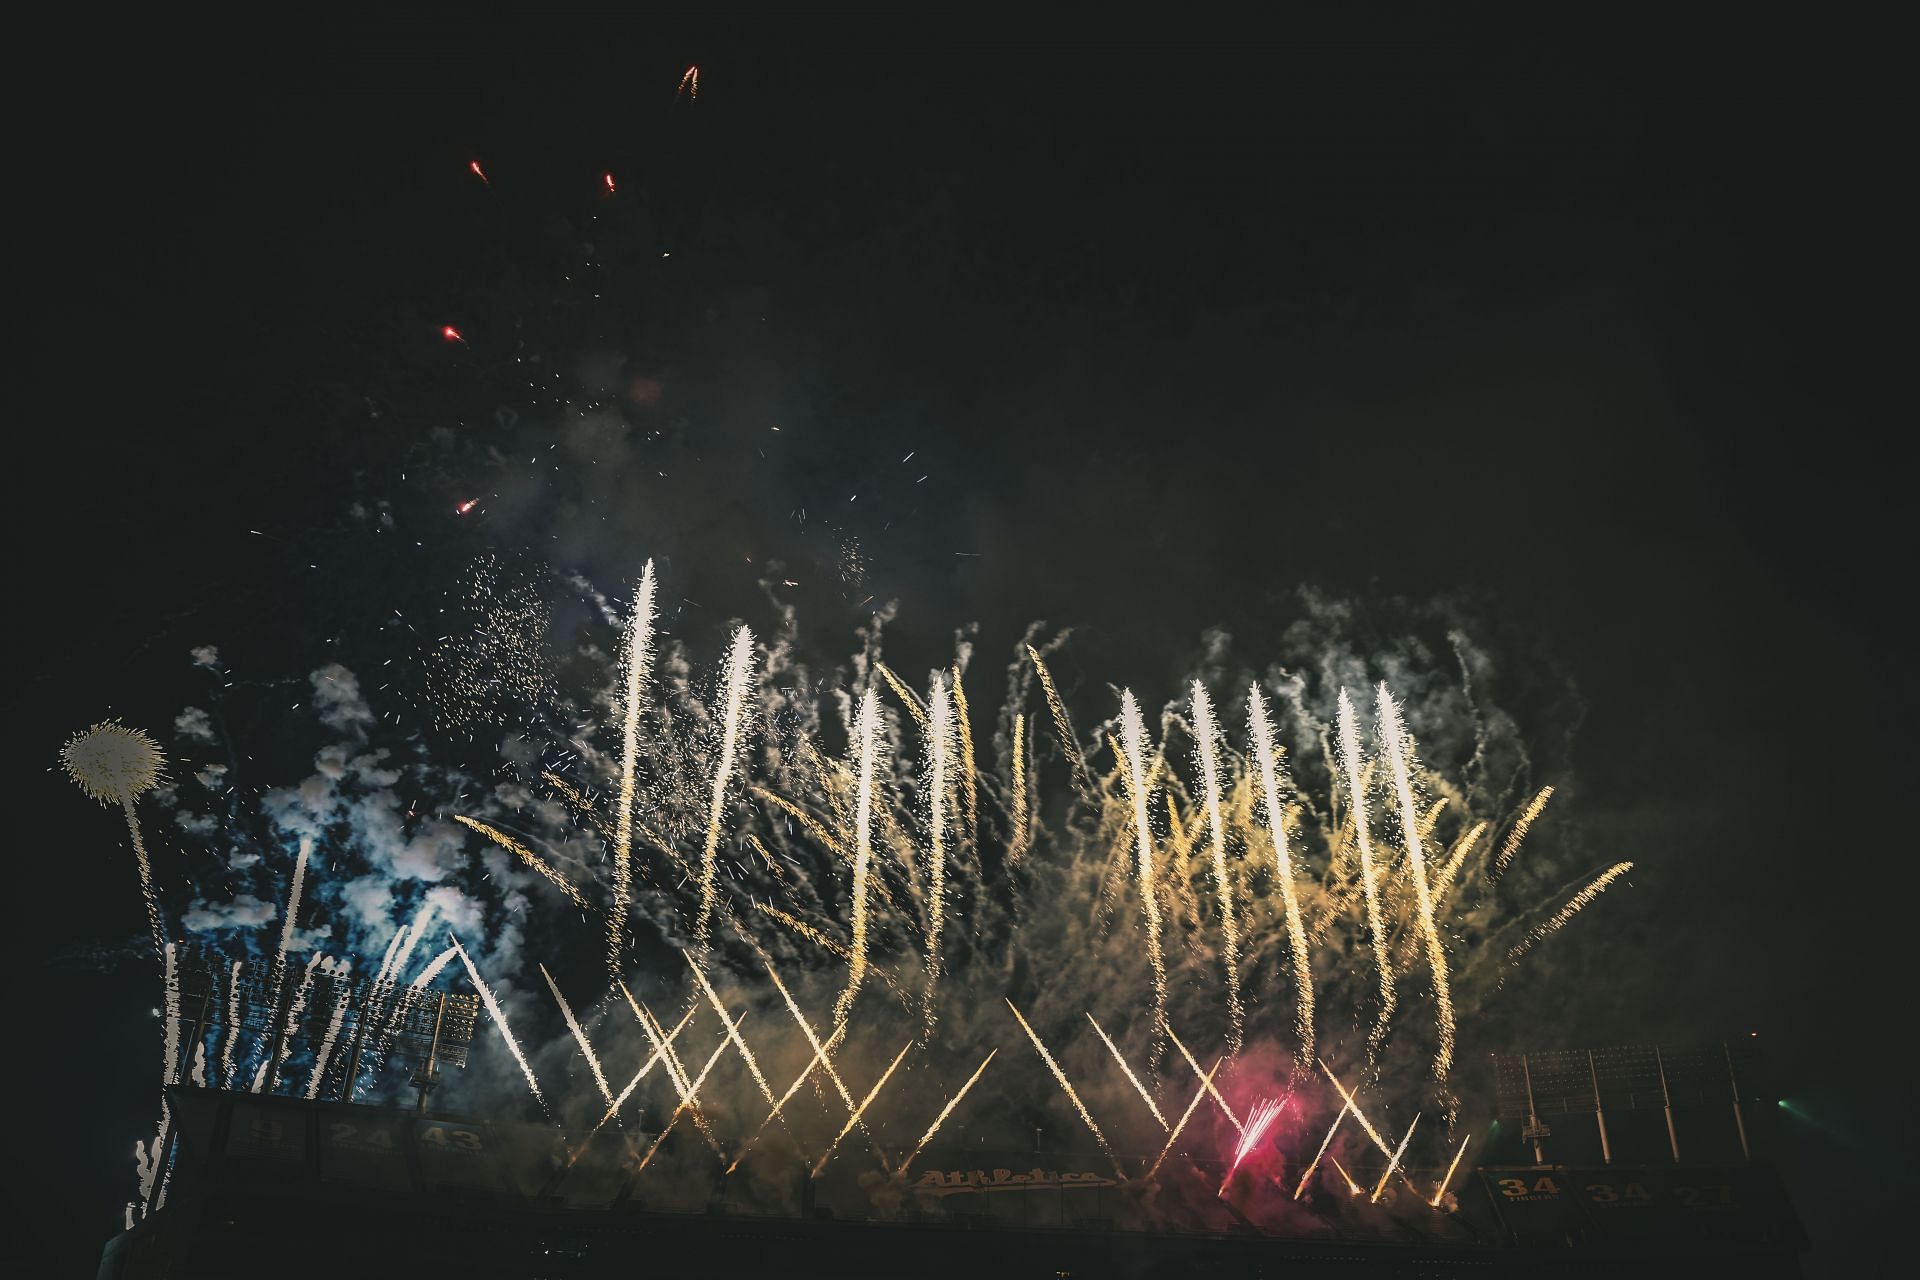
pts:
[1533, 1121]
[1599, 1112]
[1666, 1100]
[359, 1041]
[424, 1081]
[1739, 1119]
[199, 1026]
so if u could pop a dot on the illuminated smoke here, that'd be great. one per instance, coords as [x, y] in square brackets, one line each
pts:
[1264, 755]
[1133, 745]
[1399, 758]
[1357, 798]
[866, 731]
[1209, 735]
[946, 1111]
[739, 675]
[579, 1036]
[1132, 1079]
[636, 658]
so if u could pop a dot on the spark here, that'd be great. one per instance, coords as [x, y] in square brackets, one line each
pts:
[478, 172]
[452, 334]
[531, 859]
[608, 179]
[500, 1020]
[1441, 1194]
[860, 1110]
[1399, 752]
[1133, 743]
[1568, 912]
[1264, 753]
[1067, 1086]
[1132, 1079]
[579, 1036]
[1511, 845]
[946, 1111]
[636, 658]
[1208, 734]
[1218, 1100]
[739, 673]
[1259, 1120]
[1393, 1163]
[1206, 1084]
[689, 85]
[866, 729]
[1350, 760]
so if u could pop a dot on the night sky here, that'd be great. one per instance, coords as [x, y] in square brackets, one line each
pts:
[1586, 340]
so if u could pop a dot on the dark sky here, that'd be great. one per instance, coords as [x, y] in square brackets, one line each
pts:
[1592, 332]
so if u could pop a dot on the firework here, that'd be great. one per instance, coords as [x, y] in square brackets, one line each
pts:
[1259, 1120]
[739, 673]
[1394, 1162]
[1132, 1079]
[969, 785]
[860, 1110]
[1066, 1085]
[1324, 1144]
[1063, 726]
[1511, 845]
[331, 1038]
[636, 658]
[687, 1100]
[689, 85]
[908, 698]
[1206, 1084]
[1208, 735]
[676, 1072]
[733, 1031]
[1568, 912]
[117, 765]
[1353, 1188]
[500, 1020]
[432, 971]
[792, 1089]
[1399, 752]
[233, 1027]
[579, 1036]
[478, 172]
[1018, 820]
[1441, 1193]
[653, 1058]
[946, 1111]
[1133, 745]
[866, 731]
[293, 901]
[939, 769]
[1219, 1101]
[1357, 798]
[1264, 754]
[820, 1054]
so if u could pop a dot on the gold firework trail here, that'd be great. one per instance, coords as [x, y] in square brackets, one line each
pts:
[969, 788]
[1264, 755]
[500, 1020]
[686, 1102]
[1208, 733]
[1132, 1079]
[293, 900]
[1219, 1101]
[1350, 758]
[1324, 1144]
[1443, 887]
[1441, 1194]
[792, 1089]
[946, 1111]
[1353, 1188]
[807, 821]
[806, 1029]
[739, 672]
[1017, 840]
[1082, 777]
[1206, 1083]
[1512, 844]
[860, 1110]
[1067, 1086]
[1393, 1163]
[1133, 744]
[940, 769]
[1432, 818]
[802, 928]
[637, 657]
[653, 1058]
[1568, 912]
[733, 1031]
[908, 698]
[579, 1036]
[866, 731]
[532, 860]
[676, 1071]
[1399, 749]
